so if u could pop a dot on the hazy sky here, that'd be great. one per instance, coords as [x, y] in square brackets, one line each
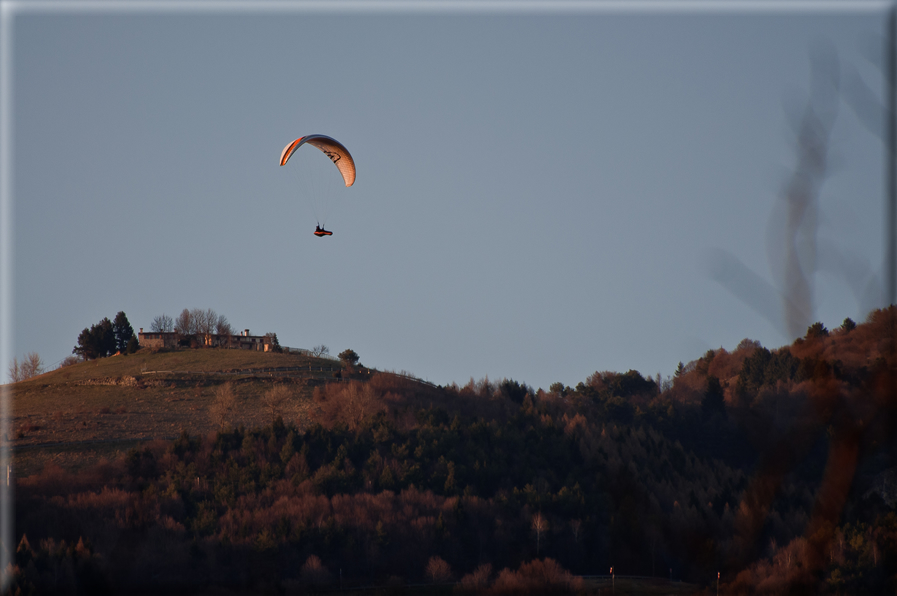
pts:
[540, 194]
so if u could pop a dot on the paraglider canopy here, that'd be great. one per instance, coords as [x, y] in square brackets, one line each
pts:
[335, 150]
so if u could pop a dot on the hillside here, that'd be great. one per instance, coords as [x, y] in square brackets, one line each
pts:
[74, 415]
[773, 468]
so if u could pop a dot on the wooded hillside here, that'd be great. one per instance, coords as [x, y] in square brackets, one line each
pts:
[773, 467]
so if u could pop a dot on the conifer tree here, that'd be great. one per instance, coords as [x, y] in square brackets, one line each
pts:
[123, 332]
[714, 400]
[96, 342]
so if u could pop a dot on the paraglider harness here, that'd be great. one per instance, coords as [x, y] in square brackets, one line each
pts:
[319, 231]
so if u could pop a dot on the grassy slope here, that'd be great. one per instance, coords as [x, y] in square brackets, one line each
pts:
[58, 418]
[193, 360]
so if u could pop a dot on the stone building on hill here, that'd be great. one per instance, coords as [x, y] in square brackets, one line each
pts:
[173, 339]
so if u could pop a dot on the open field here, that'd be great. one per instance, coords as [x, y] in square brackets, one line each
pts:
[77, 415]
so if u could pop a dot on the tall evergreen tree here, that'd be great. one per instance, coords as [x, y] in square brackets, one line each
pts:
[106, 332]
[817, 331]
[123, 331]
[714, 400]
[98, 341]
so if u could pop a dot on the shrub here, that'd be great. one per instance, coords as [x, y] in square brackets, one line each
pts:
[438, 571]
[478, 580]
[277, 400]
[347, 403]
[314, 572]
[537, 577]
[223, 408]
[70, 360]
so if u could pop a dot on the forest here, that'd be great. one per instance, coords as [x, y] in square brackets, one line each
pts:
[773, 467]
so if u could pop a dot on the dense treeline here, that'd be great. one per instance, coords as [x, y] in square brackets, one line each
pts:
[107, 338]
[765, 465]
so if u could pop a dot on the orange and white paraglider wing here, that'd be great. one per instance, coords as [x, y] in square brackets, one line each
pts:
[335, 150]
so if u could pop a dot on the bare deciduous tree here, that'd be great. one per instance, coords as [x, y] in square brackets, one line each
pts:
[184, 325]
[199, 326]
[277, 399]
[162, 324]
[360, 402]
[202, 325]
[224, 331]
[197, 318]
[319, 351]
[223, 409]
[15, 371]
[31, 366]
[210, 322]
[349, 403]
[204, 321]
[540, 525]
[438, 570]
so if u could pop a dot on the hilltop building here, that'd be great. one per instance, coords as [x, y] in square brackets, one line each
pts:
[172, 339]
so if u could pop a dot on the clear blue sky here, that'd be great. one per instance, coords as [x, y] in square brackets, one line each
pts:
[540, 194]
